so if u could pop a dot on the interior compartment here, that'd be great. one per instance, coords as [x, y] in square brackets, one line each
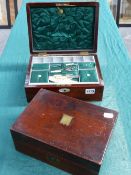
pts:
[63, 69]
[39, 76]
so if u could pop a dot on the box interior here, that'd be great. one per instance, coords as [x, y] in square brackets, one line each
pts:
[63, 70]
[62, 27]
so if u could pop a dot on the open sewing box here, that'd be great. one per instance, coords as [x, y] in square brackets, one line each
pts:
[63, 46]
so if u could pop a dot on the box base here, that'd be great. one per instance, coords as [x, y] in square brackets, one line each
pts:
[28, 148]
[82, 93]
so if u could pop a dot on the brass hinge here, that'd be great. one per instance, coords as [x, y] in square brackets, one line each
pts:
[64, 4]
[43, 54]
[84, 53]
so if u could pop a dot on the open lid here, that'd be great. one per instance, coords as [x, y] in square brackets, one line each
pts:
[68, 124]
[63, 27]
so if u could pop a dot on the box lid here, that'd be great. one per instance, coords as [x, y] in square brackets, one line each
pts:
[63, 27]
[73, 126]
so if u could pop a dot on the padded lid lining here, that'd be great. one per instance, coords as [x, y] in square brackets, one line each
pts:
[62, 28]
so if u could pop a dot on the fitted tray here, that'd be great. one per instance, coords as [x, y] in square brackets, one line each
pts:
[63, 70]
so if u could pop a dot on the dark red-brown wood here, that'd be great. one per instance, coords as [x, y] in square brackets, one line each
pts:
[78, 148]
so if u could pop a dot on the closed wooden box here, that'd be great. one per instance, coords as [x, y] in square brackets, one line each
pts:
[63, 45]
[65, 132]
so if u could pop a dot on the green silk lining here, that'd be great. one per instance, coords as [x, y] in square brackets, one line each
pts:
[62, 28]
[41, 72]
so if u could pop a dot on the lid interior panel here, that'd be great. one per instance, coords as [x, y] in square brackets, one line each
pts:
[62, 28]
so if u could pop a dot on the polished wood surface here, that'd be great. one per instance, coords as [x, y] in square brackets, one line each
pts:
[41, 132]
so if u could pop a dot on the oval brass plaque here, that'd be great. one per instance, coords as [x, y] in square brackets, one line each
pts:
[64, 90]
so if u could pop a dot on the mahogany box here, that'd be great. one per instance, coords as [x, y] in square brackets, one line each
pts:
[63, 45]
[65, 132]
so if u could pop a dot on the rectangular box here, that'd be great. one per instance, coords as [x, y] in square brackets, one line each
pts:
[65, 132]
[63, 45]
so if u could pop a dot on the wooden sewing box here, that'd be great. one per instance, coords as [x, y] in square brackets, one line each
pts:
[63, 49]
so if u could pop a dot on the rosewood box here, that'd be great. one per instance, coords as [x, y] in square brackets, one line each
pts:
[63, 46]
[65, 132]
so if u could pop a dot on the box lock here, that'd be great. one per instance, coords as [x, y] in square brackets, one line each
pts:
[64, 90]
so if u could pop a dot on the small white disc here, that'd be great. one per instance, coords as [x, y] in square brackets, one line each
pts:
[39, 76]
